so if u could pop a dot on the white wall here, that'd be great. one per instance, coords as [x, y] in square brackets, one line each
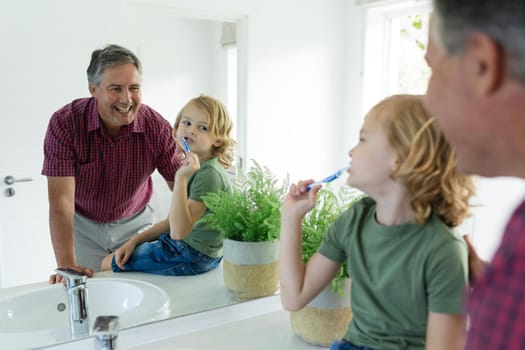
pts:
[296, 87]
[295, 94]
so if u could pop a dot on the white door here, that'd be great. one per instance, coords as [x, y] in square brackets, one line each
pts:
[31, 76]
[26, 253]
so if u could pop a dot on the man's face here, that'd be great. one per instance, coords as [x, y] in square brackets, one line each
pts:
[449, 99]
[118, 96]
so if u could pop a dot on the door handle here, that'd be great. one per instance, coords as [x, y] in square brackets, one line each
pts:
[9, 180]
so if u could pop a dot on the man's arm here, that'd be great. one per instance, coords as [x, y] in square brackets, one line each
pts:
[61, 193]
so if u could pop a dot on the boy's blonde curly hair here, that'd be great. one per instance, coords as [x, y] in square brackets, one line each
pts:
[220, 126]
[427, 161]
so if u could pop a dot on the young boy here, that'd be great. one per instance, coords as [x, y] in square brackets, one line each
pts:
[181, 244]
[408, 268]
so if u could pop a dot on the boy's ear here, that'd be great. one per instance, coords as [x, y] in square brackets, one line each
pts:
[217, 143]
[396, 164]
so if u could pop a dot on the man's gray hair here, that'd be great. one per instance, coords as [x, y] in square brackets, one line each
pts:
[109, 56]
[502, 20]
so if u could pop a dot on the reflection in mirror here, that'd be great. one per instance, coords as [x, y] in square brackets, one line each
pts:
[181, 57]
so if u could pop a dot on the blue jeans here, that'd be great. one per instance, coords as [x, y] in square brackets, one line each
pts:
[167, 256]
[344, 345]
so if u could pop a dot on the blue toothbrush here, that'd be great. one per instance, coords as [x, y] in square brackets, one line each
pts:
[186, 146]
[328, 178]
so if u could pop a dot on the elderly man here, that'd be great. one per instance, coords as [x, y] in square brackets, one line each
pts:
[99, 154]
[477, 93]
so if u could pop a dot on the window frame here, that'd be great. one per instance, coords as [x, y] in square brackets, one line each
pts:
[380, 64]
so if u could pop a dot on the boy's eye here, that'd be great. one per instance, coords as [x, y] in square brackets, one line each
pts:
[185, 123]
[203, 128]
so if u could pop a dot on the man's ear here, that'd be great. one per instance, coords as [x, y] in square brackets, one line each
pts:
[484, 64]
[91, 88]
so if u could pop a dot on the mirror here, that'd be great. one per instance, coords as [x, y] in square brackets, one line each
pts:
[305, 78]
[46, 56]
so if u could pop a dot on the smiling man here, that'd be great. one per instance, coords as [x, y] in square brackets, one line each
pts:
[99, 154]
[477, 93]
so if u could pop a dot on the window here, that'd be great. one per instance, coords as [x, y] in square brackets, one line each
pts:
[396, 37]
[408, 71]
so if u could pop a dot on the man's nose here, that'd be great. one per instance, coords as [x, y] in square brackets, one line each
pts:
[125, 95]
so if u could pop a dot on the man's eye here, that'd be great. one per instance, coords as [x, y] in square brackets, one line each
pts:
[115, 89]
[135, 88]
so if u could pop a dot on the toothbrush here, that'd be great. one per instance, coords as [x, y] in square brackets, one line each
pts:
[328, 178]
[186, 146]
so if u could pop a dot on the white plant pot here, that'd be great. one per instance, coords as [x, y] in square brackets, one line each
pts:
[250, 269]
[325, 318]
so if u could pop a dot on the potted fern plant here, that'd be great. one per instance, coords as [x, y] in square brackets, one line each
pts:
[249, 220]
[327, 316]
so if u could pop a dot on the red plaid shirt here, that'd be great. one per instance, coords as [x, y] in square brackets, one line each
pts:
[112, 177]
[497, 303]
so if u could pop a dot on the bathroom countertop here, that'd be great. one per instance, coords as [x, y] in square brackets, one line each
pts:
[258, 324]
[187, 294]
[202, 315]
[263, 332]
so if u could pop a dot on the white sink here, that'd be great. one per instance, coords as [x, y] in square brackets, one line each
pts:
[34, 318]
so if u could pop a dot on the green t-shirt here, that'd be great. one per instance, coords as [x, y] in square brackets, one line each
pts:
[399, 274]
[211, 177]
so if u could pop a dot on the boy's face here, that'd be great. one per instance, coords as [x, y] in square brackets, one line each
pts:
[118, 96]
[193, 125]
[373, 158]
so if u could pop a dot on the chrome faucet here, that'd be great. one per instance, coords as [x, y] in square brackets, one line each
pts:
[77, 296]
[105, 332]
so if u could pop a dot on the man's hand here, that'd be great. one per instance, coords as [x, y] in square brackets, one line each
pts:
[476, 265]
[56, 278]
